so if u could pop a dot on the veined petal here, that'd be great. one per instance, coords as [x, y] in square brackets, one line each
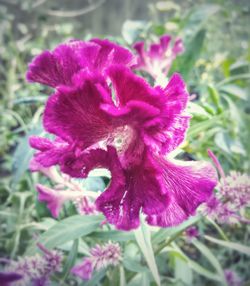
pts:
[112, 54]
[129, 86]
[57, 67]
[49, 152]
[188, 184]
[74, 114]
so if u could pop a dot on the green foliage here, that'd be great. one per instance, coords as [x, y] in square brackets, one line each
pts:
[216, 67]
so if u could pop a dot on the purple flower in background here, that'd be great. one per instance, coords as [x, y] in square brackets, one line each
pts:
[10, 278]
[84, 206]
[105, 116]
[233, 196]
[34, 270]
[158, 58]
[232, 278]
[192, 232]
[55, 199]
[101, 256]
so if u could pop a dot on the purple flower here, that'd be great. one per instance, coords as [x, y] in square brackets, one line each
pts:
[108, 117]
[55, 198]
[232, 197]
[101, 257]
[84, 206]
[34, 270]
[9, 278]
[158, 59]
[232, 278]
[84, 270]
[192, 232]
[61, 65]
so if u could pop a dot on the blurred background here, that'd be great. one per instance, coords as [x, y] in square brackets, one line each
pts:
[215, 66]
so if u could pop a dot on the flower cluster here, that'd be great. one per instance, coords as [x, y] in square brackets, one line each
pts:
[100, 257]
[232, 197]
[34, 270]
[103, 115]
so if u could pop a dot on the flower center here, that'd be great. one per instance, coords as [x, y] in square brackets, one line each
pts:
[122, 137]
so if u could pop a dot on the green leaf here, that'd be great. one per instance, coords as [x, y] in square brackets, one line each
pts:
[96, 278]
[193, 49]
[141, 279]
[194, 265]
[211, 258]
[244, 76]
[197, 18]
[196, 128]
[183, 271]
[235, 90]
[133, 265]
[23, 154]
[66, 230]
[132, 30]
[70, 260]
[142, 236]
[232, 245]
[113, 235]
[122, 277]
[164, 233]
[197, 110]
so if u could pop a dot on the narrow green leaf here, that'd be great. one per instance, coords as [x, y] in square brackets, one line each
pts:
[96, 278]
[210, 256]
[193, 49]
[182, 271]
[194, 265]
[164, 233]
[232, 245]
[141, 279]
[66, 230]
[235, 90]
[142, 236]
[244, 76]
[70, 260]
[113, 235]
[122, 277]
[134, 266]
[23, 154]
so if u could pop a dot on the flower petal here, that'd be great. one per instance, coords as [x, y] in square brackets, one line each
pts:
[84, 270]
[53, 199]
[188, 184]
[54, 68]
[50, 151]
[129, 86]
[74, 115]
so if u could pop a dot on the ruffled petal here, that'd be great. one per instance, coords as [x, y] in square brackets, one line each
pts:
[74, 115]
[129, 86]
[112, 54]
[54, 68]
[141, 191]
[130, 190]
[50, 152]
[188, 184]
[57, 67]
[167, 131]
